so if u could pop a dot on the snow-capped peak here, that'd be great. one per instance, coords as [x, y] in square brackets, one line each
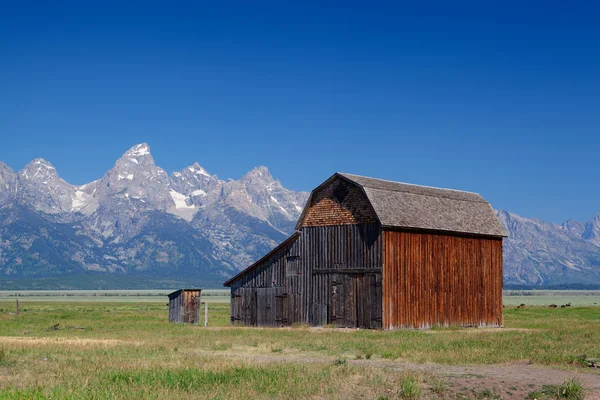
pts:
[139, 150]
[260, 174]
[43, 163]
[39, 169]
[198, 170]
[137, 156]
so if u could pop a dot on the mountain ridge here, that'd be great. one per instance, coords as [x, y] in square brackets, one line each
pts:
[139, 220]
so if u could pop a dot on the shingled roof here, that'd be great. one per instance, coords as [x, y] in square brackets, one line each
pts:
[401, 205]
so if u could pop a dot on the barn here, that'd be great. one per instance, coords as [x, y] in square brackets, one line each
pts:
[371, 253]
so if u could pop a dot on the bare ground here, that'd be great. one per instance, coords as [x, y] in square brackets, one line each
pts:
[505, 381]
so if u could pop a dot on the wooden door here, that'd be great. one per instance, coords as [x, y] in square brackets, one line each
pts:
[343, 301]
[281, 308]
[236, 308]
[355, 301]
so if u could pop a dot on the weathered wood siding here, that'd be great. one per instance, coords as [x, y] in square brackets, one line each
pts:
[274, 293]
[345, 262]
[342, 247]
[347, 300]
[328, 275]
[441, 280]
[184, 306]
[339, 203]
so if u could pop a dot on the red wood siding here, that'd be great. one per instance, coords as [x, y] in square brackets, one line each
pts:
[441, 280]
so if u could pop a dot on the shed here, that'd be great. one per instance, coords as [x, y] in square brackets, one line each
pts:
[372, 253]
[184, 306]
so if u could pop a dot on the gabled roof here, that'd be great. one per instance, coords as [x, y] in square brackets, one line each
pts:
[401, 205]
[261, 260]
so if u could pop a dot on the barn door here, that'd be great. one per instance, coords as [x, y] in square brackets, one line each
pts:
[250, 303]
[281, 309]
[236, 307]
[355, 301]
[343, 311]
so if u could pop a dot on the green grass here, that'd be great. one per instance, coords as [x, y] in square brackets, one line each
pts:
[410, 388]
[571, 389]
[131, 349]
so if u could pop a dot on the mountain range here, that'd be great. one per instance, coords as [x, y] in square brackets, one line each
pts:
[139, 226]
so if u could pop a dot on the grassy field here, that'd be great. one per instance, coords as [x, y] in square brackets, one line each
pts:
[547, 297]
[511, 297]
[106, 350]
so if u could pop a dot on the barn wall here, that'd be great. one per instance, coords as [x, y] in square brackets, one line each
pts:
[345, 262]
[342, 247]
[326, 209]
[274, 293]
[441, 280]
[328, 275]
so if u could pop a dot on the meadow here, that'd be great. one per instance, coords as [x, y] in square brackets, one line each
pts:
[75, 349]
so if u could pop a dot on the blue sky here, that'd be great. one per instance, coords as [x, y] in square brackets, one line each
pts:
[500, 99]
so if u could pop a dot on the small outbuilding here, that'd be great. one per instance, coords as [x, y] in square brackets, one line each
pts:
[184, 306]
[372, 253]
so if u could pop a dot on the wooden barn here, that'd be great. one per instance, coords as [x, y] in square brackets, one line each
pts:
[371, 253]
[184, 306]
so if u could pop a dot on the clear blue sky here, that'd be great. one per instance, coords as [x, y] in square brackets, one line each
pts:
[500, 99]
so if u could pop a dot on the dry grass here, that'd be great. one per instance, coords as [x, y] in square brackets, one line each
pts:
[132, 350]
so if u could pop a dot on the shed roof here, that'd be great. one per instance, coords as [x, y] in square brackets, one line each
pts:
[402, 205]
[175, 293]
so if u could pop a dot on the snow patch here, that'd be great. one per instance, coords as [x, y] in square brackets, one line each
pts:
[78, 201]
[280, 206]
[43, 164]
[129, 177]
[199, 171]
[134, 160]
[180, 200]
[140, 150]
[182, 209]
[199, 192]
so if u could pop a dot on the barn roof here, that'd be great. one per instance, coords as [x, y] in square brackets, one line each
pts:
[402, 205]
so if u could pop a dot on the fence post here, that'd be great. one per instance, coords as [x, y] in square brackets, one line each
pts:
[205, 314]
[17, 311]
[197, 316]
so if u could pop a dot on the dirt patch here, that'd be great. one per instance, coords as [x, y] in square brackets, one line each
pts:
[514, 380]
[511, 380]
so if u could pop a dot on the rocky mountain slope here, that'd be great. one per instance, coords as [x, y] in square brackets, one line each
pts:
[139, 221]
[543, 253]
